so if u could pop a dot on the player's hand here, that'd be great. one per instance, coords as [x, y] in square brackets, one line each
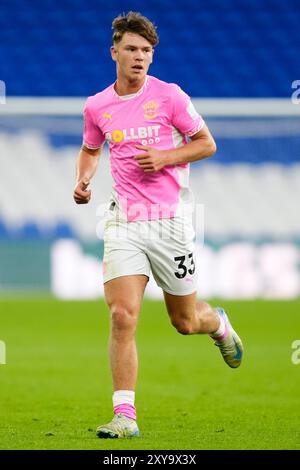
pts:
[82, 195]
[151, 160]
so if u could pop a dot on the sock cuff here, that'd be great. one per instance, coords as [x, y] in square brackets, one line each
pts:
[221, 332]
[123, 397]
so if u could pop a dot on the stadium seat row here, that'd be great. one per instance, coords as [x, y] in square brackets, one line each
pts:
[240, 199]
[233, 48]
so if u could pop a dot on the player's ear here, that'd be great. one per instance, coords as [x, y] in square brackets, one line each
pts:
[153, 50]
[113, 52]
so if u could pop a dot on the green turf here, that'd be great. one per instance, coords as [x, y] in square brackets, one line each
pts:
[55, 388]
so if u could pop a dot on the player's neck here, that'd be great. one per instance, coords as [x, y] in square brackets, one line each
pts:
[126, 87]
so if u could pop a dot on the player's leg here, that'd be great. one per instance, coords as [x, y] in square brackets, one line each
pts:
[124, 297]
[189, 316]
[192, 317]
[173, 265]
[126, 272]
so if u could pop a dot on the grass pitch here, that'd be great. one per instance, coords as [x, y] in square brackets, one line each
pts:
[56, 386]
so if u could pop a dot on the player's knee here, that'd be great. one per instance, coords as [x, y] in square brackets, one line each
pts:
[123, 318]
[183, 326]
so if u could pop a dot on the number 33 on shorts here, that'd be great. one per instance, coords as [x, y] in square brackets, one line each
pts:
[185, 264]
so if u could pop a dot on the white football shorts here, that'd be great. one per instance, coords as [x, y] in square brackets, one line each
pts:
[164, 247]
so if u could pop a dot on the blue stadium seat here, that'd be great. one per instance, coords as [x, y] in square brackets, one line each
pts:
[4, 232]
[30, 231]
[233, 48]
[63, 230]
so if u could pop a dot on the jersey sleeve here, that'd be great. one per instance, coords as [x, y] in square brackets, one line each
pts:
[185, 117]
[93, 137]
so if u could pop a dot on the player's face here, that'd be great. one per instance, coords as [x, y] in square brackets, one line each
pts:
[133, 55]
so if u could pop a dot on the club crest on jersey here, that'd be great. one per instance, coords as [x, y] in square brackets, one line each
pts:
[150, 110]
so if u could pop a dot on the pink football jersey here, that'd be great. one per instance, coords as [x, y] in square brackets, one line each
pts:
[160, 115]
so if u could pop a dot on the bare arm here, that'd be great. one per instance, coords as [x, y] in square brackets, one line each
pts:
[87, 164]
[202, 146]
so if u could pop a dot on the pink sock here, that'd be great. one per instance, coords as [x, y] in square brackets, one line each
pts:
[126, 409]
